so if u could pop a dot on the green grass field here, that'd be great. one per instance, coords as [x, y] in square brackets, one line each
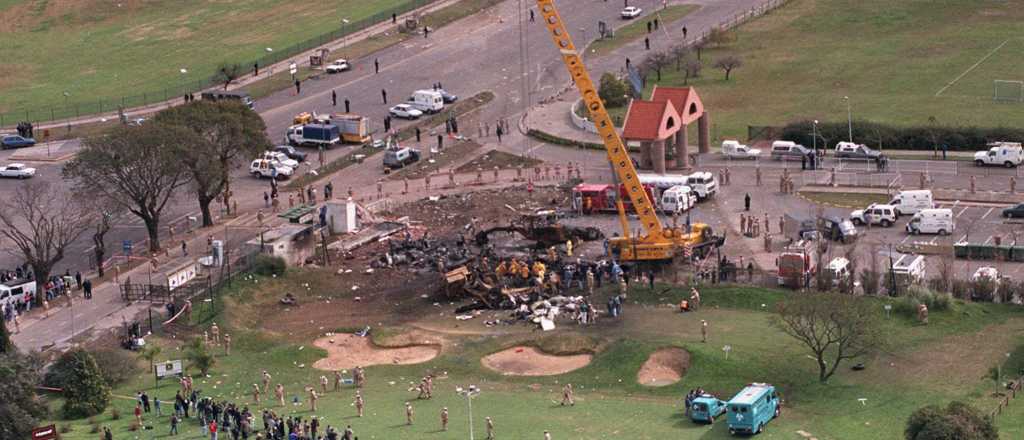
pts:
[920, 365]
[890, 58]
[97, 49]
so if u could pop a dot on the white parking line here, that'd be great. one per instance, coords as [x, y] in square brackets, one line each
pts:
[932, 241]
[905, 239]
[962, 211]
[987, 213]
[988, 239]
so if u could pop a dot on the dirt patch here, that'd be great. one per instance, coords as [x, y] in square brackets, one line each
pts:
[664, 367]
[349, 351]
[529, 361]
[436, 163]
[500, 159]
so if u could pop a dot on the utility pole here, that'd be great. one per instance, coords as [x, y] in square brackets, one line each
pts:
[849, 118]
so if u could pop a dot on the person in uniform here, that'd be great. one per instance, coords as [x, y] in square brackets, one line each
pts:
[266, 381]
[703, 331]
[256, 393]
[444, 419]
[279, 392]
[323, 383]
[359, 403]
[567, 396]
[490, 428]
[408, 413]
[337, 380]
[313, 397]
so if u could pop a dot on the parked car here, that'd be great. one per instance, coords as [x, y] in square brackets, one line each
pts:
[1016, 211]
[875, 214]
[705, 408]
[785, 150]
[15, 141]
[851, 150]
[269, 169]
[735, 150]
[830, 228]
[18, 171]
[337, 66]
[280, 159]
[447, 97]
[631, 12]
[291, 152]
[405, 111]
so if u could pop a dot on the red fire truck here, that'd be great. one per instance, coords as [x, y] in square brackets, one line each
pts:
[601, 197]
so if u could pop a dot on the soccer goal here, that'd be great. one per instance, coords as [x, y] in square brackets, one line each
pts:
[1007, 90]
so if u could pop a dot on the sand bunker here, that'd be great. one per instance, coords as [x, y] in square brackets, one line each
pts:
[346, 351]
[528, 361]
[665, 367]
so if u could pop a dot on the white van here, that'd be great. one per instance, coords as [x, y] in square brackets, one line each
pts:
[909, 269]
[427, 101]
[932, 221]
[839, 270]
[1008, 154]
[732, 149]
[910, 202]
[785, 150]
[12, 293]
[677, 199]
[703, 184]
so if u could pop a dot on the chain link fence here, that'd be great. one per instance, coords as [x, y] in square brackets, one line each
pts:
[174, 88]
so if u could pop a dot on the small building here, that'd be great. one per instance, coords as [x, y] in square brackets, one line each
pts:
[661, 123]
[295, 243]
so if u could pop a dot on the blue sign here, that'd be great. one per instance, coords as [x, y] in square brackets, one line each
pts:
[127, 246]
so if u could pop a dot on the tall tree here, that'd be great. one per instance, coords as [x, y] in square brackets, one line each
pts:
[20, 407]
[6, 346]
[135, 168]
[41, 221]
[102, 222]
[86, 393]
[228, 73]
[227, 134]
[834, 327]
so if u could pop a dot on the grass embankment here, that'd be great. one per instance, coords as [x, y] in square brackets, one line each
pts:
[637, 28]
[844, 199]
[921, 365]
[888, 57]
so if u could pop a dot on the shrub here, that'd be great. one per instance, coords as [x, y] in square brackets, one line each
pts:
[925, 137]
[869, 280]
[960, 289]
[85, 391]
[917, 295]
[199, 355]
[116, 366]
[983, 289]
[613, 91]
[267, 265]
[115, 414]
[958, 420]
[65, 428]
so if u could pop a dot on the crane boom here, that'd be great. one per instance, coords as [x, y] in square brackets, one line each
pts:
[618, 155]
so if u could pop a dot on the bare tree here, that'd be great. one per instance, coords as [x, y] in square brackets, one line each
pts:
[692, 68]
[680, 53]
[42, 221]
[135, 168]
[103, 221]
[656, 62]
[834, 327]
[728, 63]
[228, 73]
[720, 37]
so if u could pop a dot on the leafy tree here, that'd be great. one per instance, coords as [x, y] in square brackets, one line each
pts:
[613, 91]
[227, 73]
[103, 220]
[655, 62]
[199, 355]
[85, 391]
[20, 407]
[834, 327]
[41, 221]
[957, 421]
[728, 63]
[150, 354]
[134, 168]
[226, 134]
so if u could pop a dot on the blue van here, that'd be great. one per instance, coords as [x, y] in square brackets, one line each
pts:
[705, 408]
[752, 408]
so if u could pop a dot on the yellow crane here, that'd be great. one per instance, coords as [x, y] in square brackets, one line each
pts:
[656, 242]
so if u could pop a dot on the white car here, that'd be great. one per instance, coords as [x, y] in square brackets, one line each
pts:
[631, 12]
[735, 150]
[405, 111]
[269, 169]
[280, 158]
[17, 170]
[338, 66]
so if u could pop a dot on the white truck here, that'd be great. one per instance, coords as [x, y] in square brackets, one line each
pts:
[677, 199]
[909, 269]
[426, 101]
[265, 168]
[732, 149]
[912, 201]
[703, 184]
[932, 221]
[1007, 154]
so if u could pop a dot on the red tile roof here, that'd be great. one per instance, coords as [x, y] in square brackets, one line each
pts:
[681, 97]
[643, 120]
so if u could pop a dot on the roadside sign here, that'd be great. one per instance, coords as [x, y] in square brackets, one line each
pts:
[127, 246]
[169, 368]
[293, 68]
[44, 433]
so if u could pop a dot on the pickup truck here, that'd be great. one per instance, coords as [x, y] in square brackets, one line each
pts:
[264, 168]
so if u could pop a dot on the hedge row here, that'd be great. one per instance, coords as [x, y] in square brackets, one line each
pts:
[877, 135]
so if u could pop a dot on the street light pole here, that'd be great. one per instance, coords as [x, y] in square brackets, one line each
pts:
[814, 136]
[469, 394]
[849, 118]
